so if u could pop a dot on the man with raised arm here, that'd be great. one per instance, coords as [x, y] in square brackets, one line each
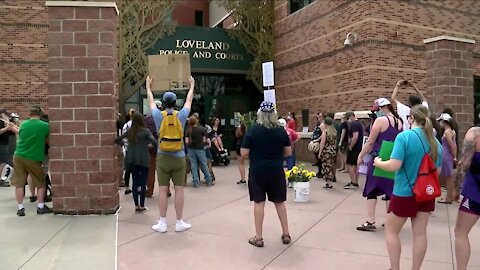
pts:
[402, 109]
[171, 155]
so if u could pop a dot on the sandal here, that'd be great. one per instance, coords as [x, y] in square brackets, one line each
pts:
[258, 242]
[444, 201]
[286, 239]
[367, 227]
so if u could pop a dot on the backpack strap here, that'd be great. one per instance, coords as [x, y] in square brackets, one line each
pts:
[406, 175]
[423, 146]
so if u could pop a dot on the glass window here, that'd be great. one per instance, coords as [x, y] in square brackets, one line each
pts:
[296, 5]
[198, 18]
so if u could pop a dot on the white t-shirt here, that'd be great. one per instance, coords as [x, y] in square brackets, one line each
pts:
[403, 111]
[125, 128]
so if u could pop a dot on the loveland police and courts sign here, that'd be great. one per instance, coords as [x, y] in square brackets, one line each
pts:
[210, 49]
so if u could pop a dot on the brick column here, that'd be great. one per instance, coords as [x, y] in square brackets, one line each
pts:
[82, 78]
[450, 78]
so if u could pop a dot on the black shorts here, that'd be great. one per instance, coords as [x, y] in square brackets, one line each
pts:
[237, 149]
[272, 184]
[352, 157]
[343, 148]
[376, 192]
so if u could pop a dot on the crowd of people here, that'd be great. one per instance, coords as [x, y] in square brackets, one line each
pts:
[415, 133]
[23, 157]
[168, 137]
[169, 142]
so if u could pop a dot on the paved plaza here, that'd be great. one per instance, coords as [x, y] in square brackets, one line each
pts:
[323, 232]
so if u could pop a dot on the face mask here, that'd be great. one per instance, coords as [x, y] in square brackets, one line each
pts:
[379, 113]
[410, 121]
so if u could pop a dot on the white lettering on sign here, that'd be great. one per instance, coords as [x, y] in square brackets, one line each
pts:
[200, 48]
[200, 54]
[202, 45]
[162, 52]
[228, 56]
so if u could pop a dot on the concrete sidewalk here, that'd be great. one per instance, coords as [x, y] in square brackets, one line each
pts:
[45, 242]
[323, 231]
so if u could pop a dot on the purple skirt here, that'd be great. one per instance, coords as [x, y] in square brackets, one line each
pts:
[379, 185]
[447, 165]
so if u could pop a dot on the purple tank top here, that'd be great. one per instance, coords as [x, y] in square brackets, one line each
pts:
[471, 182]
[374, 182]
[388, 135]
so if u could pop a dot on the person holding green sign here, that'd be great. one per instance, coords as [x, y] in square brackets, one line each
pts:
[385, 128]
[408, 152]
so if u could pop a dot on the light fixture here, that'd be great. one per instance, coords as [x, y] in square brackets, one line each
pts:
[350, 39]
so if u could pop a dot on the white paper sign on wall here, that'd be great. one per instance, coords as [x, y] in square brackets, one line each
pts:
[268, 74]
[269, 95]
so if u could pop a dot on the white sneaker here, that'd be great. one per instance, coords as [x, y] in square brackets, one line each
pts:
[182, 226]
[160, 227]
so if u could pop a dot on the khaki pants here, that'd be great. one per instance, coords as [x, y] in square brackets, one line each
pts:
[173, 168]
[23, 168]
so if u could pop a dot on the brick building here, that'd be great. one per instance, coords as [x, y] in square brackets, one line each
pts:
[23, 54]
[316, 71]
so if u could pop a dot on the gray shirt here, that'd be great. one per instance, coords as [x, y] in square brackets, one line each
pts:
[137, 153]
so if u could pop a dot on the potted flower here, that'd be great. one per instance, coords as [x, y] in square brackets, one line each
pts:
[300, 177]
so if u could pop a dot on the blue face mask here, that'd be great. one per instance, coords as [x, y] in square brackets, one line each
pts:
[379, 113]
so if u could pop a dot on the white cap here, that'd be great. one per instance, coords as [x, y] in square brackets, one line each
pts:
[445, 117]
[382, 102]
[282, 122]
[158, 103]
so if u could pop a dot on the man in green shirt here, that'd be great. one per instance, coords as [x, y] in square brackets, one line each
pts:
[28, 159]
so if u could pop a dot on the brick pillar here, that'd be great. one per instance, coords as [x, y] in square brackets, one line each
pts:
[450, 78]
[82, 79]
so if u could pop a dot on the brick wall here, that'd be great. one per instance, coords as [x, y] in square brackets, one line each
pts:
[450, 80]
[314, 70]
[82, 96]
[23, 55]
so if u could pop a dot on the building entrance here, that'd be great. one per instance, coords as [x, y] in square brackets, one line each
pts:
[226, 108]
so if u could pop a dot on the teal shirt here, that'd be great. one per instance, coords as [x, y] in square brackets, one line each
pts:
[408, 148]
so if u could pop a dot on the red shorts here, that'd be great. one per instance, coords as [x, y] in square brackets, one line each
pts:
[408, 206]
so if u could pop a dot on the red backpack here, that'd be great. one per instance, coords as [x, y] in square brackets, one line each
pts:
[427, 186]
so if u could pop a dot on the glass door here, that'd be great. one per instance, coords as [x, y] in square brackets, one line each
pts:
[224, 108]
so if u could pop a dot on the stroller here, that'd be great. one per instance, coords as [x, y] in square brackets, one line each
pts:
[6, 172]
[220, 157]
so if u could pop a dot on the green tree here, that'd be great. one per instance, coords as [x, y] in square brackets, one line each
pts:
[254, 31]
[142, 23]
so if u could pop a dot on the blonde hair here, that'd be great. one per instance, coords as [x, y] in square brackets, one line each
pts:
[331, 131]
[267, 119]
[420, 114]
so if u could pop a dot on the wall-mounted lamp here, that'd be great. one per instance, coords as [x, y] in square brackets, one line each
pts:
[351, 38]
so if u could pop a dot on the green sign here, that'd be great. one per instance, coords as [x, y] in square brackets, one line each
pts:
[211, 49]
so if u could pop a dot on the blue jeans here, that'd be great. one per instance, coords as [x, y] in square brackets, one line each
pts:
[139, 175]
[198, 157]
[291, 161]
